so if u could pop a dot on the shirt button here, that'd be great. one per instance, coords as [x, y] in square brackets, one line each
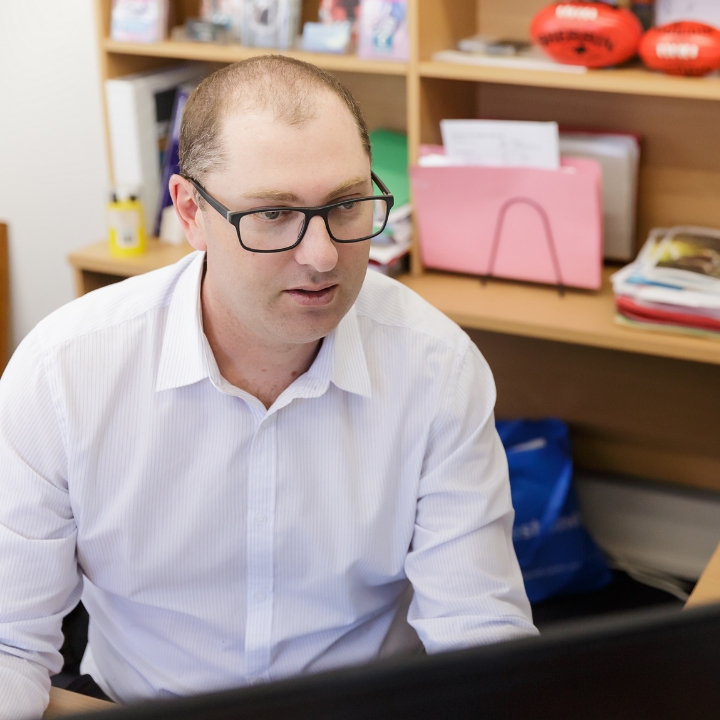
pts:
[261, 519]
[260, 596]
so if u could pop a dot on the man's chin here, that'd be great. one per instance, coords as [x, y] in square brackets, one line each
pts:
[309, 324]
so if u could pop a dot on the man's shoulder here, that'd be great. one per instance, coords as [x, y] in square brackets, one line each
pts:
[112, 306]
[384, 301]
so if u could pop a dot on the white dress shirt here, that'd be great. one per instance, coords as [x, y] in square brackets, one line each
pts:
[217, 543]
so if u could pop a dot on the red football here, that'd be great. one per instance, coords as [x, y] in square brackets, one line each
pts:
[682, 48]
[592, 34]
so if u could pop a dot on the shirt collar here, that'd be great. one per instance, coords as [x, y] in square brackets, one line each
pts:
[346, 356]
[183, 359]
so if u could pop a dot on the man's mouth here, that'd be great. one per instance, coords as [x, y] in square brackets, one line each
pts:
[310, 296]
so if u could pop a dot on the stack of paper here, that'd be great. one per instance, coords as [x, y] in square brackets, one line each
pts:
[619, 158]
[531, 59]
[674, 284]
[389, 250]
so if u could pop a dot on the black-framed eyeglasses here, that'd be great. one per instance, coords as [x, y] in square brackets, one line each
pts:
[276, 229]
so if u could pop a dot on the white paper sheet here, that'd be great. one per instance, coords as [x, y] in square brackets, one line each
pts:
[501, 143]
[706, 11]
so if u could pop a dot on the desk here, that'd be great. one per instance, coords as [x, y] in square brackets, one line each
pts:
[707, 590]
[63, 702]
[638, 402]
[95, 267]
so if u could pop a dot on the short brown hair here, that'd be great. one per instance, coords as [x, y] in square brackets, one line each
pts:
[274, 81]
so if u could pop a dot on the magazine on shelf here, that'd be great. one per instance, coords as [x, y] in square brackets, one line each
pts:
[683, 258]
[171, 156]
[674, 282]
[532, 59]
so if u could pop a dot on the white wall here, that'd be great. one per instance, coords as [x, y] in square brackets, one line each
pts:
[53, 165]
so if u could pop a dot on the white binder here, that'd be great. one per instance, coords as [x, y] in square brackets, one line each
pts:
[133, 123]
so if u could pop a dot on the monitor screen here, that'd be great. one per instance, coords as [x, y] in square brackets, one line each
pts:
[653, 664]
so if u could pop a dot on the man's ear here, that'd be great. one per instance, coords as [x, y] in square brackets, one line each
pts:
[183, 197]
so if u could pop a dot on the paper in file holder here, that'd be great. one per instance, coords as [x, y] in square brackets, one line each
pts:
[530, 224]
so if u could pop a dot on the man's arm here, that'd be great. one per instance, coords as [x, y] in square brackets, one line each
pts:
[39, 577]
[462, 564]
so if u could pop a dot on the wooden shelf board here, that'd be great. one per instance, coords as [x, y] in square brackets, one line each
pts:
[64, 702]
[580, 317]
[630, 80]
[211, 52]
[97, 258]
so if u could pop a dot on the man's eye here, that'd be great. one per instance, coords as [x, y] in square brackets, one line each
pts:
[272, 214]
[349, 205]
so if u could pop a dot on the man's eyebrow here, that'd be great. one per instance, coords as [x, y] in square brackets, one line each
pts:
[284, 196]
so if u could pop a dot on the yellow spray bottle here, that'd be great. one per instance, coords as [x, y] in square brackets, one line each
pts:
[126, 224]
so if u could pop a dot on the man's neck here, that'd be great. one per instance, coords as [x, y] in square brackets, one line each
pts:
[260, 369]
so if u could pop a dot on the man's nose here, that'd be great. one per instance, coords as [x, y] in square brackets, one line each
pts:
[317, 248]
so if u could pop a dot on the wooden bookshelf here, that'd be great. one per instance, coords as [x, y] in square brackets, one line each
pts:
[532, 311]
[634, 80]
[638, 402]
[229, 53]
[63, 702]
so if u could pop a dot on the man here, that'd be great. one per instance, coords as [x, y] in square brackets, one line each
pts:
[250, 461]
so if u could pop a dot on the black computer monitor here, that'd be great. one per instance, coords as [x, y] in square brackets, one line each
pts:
[649, 665]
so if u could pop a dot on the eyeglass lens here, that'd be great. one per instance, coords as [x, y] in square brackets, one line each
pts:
[280, 228]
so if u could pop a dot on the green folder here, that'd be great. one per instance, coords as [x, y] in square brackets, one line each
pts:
[390, 162]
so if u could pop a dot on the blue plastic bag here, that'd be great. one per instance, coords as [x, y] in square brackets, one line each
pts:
[555, 552]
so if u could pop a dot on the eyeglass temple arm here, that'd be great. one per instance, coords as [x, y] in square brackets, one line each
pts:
[383, 187]
[211, 201]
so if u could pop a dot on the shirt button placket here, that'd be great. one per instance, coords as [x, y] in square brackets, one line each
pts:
[260, 522]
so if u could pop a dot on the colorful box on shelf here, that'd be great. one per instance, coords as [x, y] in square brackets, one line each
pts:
[383, 30]
[527, 224]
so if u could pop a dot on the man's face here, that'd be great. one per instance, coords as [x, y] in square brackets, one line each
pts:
[300, 295]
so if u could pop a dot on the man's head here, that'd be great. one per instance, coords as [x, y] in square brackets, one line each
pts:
[274, 132]
[287, 87]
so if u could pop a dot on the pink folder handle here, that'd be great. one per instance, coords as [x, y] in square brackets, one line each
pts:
[548, 236]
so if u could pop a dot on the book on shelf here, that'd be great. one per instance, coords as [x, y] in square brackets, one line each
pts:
[531, 59]
[336, 29]
[389, 250]
[383, 32]
[139, 20]
[171, 155]
[139, 108]
[270, 23]
[674, 283]
[619, 158]
[340, 11]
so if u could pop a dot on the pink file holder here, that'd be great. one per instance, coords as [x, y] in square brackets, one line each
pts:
[529, 224]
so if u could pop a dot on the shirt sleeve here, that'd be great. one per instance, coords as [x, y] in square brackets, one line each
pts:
[39, 575]
[462, 564]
